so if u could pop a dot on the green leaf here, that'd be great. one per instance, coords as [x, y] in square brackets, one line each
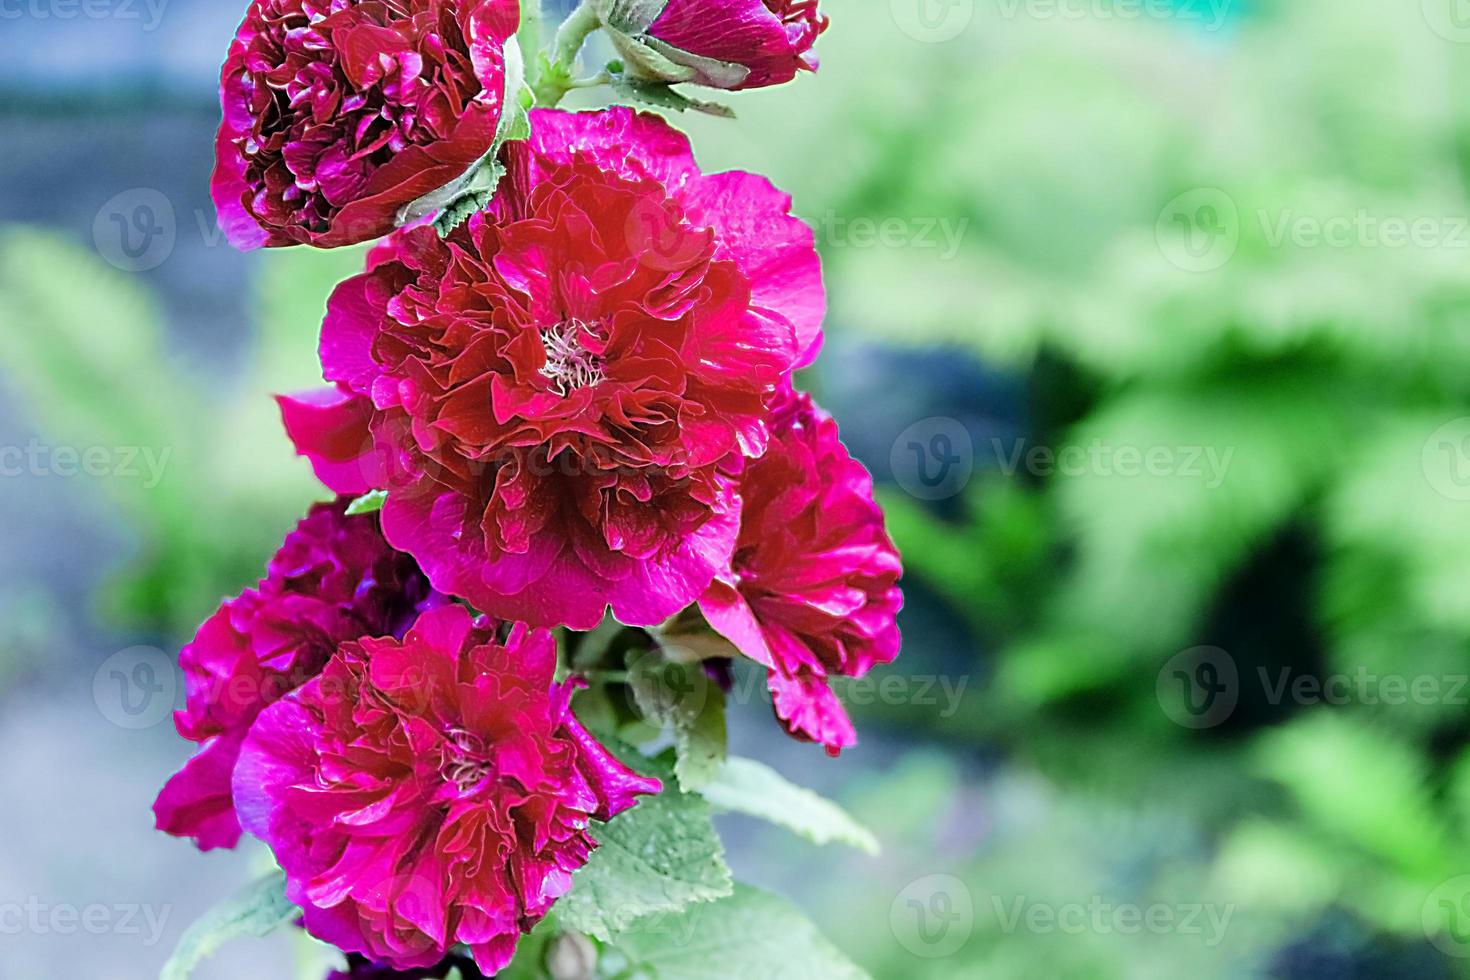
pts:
[474, 196]
[754, 788]
[751, 933]
[256, 910]
[661, 95]
[658, 857]
[369, 503]
[700, 744]
[683, 697]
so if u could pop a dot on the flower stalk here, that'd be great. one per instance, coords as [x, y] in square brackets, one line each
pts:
[553, 77]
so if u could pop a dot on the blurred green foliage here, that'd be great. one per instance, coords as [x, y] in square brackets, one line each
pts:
[94, 367]
[1321, 372]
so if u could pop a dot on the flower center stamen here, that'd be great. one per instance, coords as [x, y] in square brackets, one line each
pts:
[569, 364]
[465, 765]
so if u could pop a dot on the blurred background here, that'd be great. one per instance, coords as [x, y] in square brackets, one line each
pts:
[1152, 320]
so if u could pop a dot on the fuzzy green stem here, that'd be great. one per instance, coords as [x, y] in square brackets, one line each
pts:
[529, 34]
[573, 33]
[607, 676]
[554, 76]
[593, 81]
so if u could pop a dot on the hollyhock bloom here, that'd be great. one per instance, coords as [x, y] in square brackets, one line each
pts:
[812, 590]
[430, 791]
[729, 44]
[556, 391]
[338, 113]
[334, 579]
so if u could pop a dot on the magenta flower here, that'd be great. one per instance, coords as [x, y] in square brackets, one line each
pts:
[430, 791]
[334, 579]
[338, 113]
[728, 44]
[812, 590]
[557, 391]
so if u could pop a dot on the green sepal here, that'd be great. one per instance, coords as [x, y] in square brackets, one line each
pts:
[369, 503]
[661, 95]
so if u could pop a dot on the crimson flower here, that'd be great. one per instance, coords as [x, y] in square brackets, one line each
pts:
[812, 588]
[338, 113]
[334, 579]
[556, 394]
[430, 791]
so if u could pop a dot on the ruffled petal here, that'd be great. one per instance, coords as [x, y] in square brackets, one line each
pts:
[329, 426]
[196, 802]
[413, 815]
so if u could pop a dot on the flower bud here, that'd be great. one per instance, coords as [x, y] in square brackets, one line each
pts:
[726, 44]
